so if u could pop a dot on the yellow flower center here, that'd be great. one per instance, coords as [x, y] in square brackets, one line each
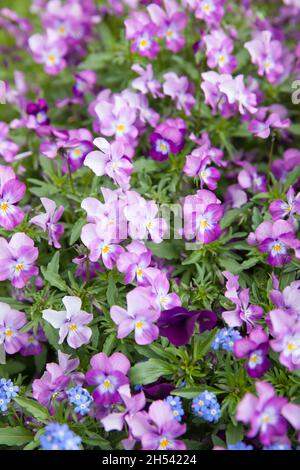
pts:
[139, 272]
[105, 249]
[221, 59]
[164, 443]
[206, 8]
[201, 403]
[120, 127]
[203, 174]
[143, 43]
[291, 346]
[204, 224]
[8, 333]
[163, 147]
[277, 247]
[62, 29]
[77, 397]
[51, 58]
[169, 34]
[4, 206]
[77, 152]
[149, 225]
[253, 359]
[19, 267]
[139, 324]
[73, 327]
[107, 383]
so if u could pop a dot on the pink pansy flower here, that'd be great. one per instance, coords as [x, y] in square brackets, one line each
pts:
[219, 49]
[196, 165]
[8, 148]
[134, 263]
[48, 221]
[133, 403]
[170, 23]
[235, 196]
[289, 299]
[11, 322]
[111, 160]
[286, 332]
[50, 51]
[267, 54]
[265, 120]
[280, 209]
[202, 212]
[249, 178]
[142, 31]
[108, 374]
[267, 414]
[211, 11]
[157, 429]
[179, 89]
[117, 120]
[237, 93]
[243, 311]
[71, 322]
[145, 83]
[277, 239]
[143, 220]
[11, 192]
[17, 259]
[139, 316]
[282, 167]
[55, 380]
[160, 288]
[255, 348]
[101, 244]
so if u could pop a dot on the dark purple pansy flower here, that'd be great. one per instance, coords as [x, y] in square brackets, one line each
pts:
[39, 111]
[167, 138]
[178, 323]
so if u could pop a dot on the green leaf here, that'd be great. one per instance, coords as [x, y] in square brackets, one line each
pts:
[193, 392]
[165, 250]
[55, 280]
[202, 344]
[76, 230]
[149, 371]
[292, 178]
[234, 434]
[33, 408]
[111, 293]
[230, 217]
[53, 266]
[16, 436]
[52, 335]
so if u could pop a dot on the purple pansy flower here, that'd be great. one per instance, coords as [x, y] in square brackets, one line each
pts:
[71, 322]
[11, 322]
[210, 11]
[32, 342]
[55, 380]
[249, 178]
[101, 244]
[255, 349]
[267, 414]
[157, 429]
[168, 137]
[160, 288]
[178, 323]
[142, 31]
[50, 51]
[289, 299]
[17, 259]
[108, 374]
[243, 311]
[48, 221]
[277, 239]
[11, 192]
[139, 316]
[39, 111]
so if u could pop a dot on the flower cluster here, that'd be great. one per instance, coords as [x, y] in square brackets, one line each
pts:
[206, 407]
[59, 437]
[7, 391]
[81, 399]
